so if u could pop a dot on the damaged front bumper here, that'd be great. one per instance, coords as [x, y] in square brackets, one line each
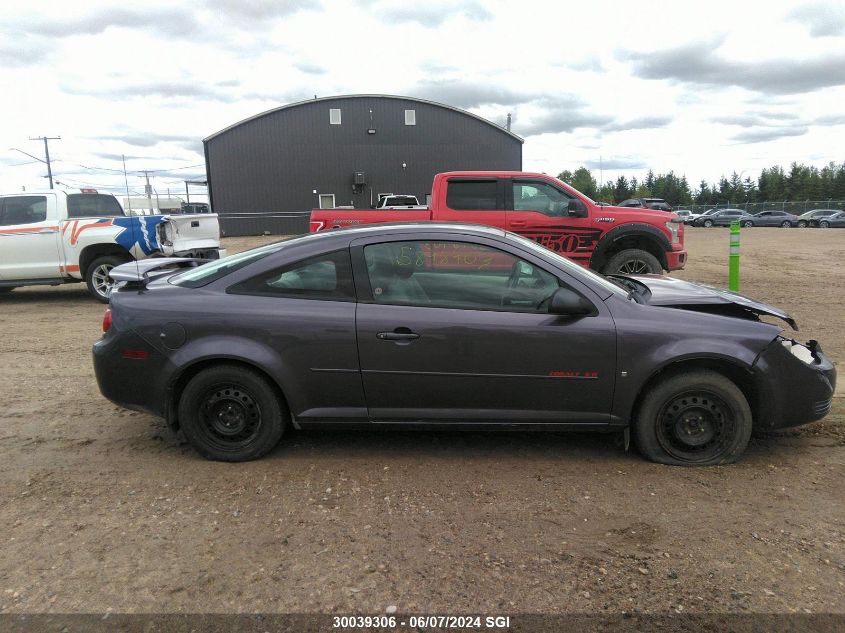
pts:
[797, 382]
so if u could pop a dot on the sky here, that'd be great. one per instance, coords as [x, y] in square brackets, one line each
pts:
[701, 88]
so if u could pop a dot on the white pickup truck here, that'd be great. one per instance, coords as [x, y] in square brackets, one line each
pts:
[403, 201]
[56, 237]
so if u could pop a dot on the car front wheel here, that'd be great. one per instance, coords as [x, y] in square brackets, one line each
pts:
[747, 223]
[708, 223]
[802, 224]
[232, 414]
[633, 261]
[786, 224]
[699, 418]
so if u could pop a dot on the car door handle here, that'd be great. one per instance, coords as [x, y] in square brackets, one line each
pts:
[397, 336]
[518, 222]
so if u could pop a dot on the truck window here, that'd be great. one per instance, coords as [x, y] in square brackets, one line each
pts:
[86, 205]
[23, 210]
[472, 195]
[539, 196]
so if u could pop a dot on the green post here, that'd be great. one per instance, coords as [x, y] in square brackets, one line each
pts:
[733, 258]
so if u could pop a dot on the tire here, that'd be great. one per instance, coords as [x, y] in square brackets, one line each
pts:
[747, 223]
[633, 261]
[6, 289]
[786, 224]
[802, 224]
[697, 418]
[231, 414]
[707, 223]
[99, 284]
[824, 224]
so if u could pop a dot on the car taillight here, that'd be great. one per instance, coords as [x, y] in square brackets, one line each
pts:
[107, 320]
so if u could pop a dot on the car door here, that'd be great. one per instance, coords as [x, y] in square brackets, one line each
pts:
[474, 200]
[29, 238]
[454, 330]
[539, 211]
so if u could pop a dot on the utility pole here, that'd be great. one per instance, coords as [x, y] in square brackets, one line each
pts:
[47, 153]
[148, 190]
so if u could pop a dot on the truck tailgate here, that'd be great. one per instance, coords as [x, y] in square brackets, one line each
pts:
[185, 232]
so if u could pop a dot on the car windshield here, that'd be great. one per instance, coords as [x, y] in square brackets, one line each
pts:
[205, 274]
[583, 274]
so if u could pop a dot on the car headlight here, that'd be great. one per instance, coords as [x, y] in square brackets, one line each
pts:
[673, 229]
[799, 351]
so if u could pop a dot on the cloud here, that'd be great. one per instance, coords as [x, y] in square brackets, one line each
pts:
[252, 13]
[765, 134]
[466, 95]
[822, 18]
[641, 123]
[750, 119]
[698, 63]
[562, 120]
[21, 49]
[142, 139]
[165, 20]
[310, 69]
[590, 63]
[830, 119]
[616, 163]
[431, 14]
[186, 89]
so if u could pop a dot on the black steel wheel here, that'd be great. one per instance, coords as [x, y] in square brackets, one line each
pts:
[231, 413]
[696, 418]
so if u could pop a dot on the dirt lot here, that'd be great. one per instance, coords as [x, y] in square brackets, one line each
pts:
[103, 509]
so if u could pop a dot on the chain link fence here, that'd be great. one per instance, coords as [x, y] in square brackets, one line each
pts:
[796, 207]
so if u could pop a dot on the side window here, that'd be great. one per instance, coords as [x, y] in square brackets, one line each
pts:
[23, 210]
[472, 195]
[456, 275]
[539, 196]
[324, 277]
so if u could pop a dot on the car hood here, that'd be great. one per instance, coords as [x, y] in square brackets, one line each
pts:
[668, 291]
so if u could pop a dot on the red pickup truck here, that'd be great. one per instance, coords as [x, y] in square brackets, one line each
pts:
[546, 210]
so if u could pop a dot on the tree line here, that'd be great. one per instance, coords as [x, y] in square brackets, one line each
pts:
[800, 182]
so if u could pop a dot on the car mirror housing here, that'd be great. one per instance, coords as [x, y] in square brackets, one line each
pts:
[566, 302]
[576, 208]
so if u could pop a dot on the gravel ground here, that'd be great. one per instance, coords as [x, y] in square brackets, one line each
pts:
[104, 509]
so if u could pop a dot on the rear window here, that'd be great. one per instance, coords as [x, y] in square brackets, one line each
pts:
[472, 195]
[92, 205]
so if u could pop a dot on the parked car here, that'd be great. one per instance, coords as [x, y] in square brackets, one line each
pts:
[722, 217]
[448, 326]
[683, 214]
[690, 220]
[837, 220]
[647, 203]
[770, 218]
[56, 237]
[544, 209]
[811, 218]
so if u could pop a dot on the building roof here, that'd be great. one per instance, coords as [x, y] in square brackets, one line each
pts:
[336, 97]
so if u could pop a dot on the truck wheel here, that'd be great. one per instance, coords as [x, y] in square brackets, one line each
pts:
[633, 261]
[231, 414]
[97, 276]
[699, 418]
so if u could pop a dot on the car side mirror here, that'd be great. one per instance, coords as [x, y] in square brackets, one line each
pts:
[576, 208]
[567, 302]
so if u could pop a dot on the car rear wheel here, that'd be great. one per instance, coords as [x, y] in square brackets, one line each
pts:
[633, 261]
[231, 414]
[802, 224]
[708, 223]
[97, 276]
[698, 418]
[786, 224]
[747, 223]
[824, 224]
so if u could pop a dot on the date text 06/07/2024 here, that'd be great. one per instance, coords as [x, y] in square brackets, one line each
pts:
[420, 622]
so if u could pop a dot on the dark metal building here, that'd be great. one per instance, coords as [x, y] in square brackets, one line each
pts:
[267, 172]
